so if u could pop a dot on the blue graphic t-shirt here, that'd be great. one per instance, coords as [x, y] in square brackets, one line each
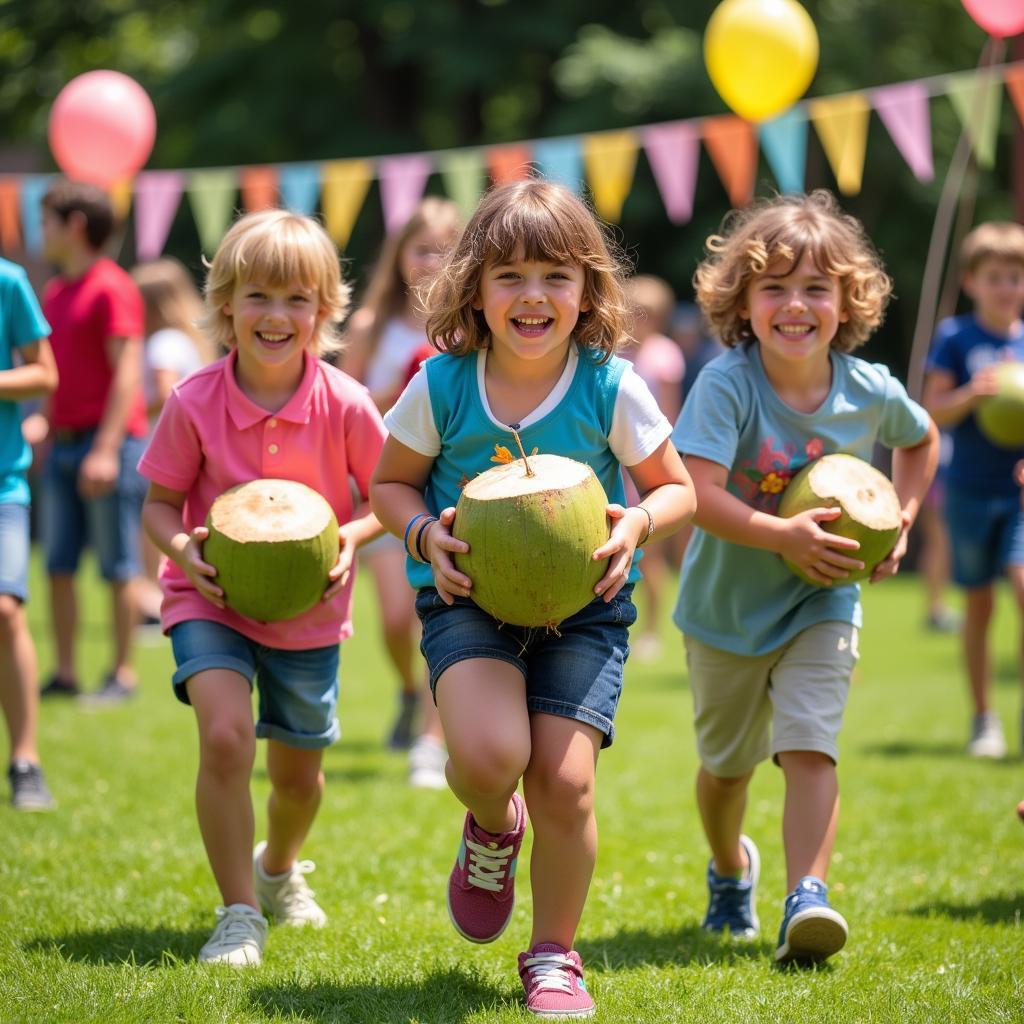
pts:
[744, 599]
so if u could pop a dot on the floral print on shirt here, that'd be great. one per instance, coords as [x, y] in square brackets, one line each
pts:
[760, 483]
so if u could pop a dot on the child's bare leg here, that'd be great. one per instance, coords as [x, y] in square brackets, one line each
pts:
[722, 802]
[227, 749]
[559, 788]
[298, 784]
[810, 814]
[977, 615]
[124, 612]
[64, 615]
[1016, 575]
[398, 615]
[18, 680]
[482, 703]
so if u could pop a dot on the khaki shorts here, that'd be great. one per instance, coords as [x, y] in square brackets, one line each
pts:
[750, 708]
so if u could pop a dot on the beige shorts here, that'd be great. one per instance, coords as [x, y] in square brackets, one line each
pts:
[750, 708]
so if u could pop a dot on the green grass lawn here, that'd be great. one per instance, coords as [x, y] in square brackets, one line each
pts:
[104, 904]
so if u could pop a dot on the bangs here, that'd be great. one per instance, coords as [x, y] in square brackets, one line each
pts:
[282, 255]
[791, 242]
[537, 231]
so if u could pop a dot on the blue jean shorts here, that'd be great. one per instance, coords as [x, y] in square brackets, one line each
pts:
[298, 690]
[986, 534]
[575, 673]
[111, 523]
[14, 549]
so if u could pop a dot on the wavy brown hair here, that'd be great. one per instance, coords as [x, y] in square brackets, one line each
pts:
[785, 228]
[541, 221]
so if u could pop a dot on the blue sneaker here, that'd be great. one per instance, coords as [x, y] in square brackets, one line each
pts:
[732, 902]
[811, 930]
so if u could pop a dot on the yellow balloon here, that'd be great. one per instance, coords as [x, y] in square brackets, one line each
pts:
[761, 55]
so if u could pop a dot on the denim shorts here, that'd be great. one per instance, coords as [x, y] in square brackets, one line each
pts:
[298, 690]
[575, 673]
[14, 549]
[986, 535]
[111, 523]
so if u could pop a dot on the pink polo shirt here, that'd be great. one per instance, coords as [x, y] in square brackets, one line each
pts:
[210, 436]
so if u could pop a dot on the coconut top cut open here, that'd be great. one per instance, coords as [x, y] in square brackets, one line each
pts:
[270, 511]
[864, 493]
[511, 480]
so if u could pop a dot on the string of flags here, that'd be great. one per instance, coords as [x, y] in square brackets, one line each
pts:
[606, 161]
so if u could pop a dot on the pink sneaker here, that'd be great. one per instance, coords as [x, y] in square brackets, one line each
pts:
[481, 887]
[553, 979]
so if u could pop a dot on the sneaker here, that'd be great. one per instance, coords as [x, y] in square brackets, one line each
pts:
[481, 887]
[553, 979]
[112, 691]
[427, 758]
[811, 930]
[987, 738]
[732, 902]
[287, 898]
[57, 687]
[238, 938]
[401, 735]
[944, 621]
[28, 787]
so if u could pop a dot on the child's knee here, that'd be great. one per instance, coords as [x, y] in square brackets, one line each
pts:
[227, 747]
[11, 617]
[489, 770]
[561, 796]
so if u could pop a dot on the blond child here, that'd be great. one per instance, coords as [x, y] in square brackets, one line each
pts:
[792, 286]
[270, 408]
[528, 310]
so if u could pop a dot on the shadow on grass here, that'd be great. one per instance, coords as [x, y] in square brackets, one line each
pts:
[333, 774]
[445, 997]
[685, 945]
[915, 748]
[124, 944]
[1004, 909]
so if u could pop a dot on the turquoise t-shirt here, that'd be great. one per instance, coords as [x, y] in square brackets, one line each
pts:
[743, 599]
[21, 323]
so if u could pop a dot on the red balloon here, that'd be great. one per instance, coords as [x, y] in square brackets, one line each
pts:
[1001, 18]
[102, 127]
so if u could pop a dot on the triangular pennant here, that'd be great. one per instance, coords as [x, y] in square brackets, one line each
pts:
[732, 145]
[121, 197]
[402, 181]
[903, 110]
[463, 174]
[509, 163]
[345, 184]
[673, 151]
[842, 125]
[610, 159]
[784, 141]
[211, 194]
[259, 188]
[975, 96]
[1015, 87]
[33, 188]
[300, 186]
[10, 218]
[157, 196]
[560, 160]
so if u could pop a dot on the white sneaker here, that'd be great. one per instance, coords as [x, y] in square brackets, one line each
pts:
[987, 738]
[238, 938]
[287, 898]
[427, 758]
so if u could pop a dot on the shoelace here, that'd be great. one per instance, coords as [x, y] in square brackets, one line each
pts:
[554, 971]
[233, 926]
[486, 866]
[295, 893]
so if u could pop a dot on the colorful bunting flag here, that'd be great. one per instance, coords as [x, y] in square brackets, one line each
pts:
[402, 181]
[300, 186]
[462, 172]
[1015, 87]
[842, 125]
[10, 220]
[975, 98]
[560, 160]
[610, 160]
[33, 188]
[259, 188]
[673, 151]
[903, 110]
[157, 196]
[509, 163]
[784, 141]
[345, 184]
[211, 194]
[732, 145]
[121, 198]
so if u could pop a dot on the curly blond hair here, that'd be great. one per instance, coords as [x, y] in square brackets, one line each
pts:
[785, 228]
[545, 222]
[275, 247]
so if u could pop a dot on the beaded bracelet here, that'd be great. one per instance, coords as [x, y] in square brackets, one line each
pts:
[405, 539]
[650, 527]
[427, 523]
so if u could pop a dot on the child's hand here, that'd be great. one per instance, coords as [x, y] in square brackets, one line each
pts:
[1018, 474]
[984, 383]
[342, 569]
[890, 565]
[438, 545]
[619, 550]
[200, 573]
[815, 551]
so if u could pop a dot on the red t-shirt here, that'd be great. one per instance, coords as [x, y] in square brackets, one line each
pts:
[424, 352]
[84, 314]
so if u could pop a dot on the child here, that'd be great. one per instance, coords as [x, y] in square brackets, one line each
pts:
[382, 337]
[270, 408]
[982, 504]
[174, 348]
[27, 369]
[792, 288]
[527, 310]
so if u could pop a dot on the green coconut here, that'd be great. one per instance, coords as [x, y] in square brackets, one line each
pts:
[1001, 417]
[273, 543]
[531, 539]
[871, 508]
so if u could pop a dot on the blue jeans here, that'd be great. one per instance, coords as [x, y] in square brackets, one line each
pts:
[14, 550]
[986, 535]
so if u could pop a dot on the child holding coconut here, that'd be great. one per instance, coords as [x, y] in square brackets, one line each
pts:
[269, 409]
[527, 311]
[791, 287]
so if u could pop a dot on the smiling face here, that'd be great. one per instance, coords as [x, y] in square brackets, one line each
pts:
[794, 310]
[996, 286]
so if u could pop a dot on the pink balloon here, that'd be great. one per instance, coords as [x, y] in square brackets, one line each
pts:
[1001, 18]
[102, 127]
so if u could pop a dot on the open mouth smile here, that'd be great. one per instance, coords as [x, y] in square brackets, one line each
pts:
[273, 339]
[531, 326]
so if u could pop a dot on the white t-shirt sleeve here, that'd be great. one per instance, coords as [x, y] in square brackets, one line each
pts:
[411, 419]
[638, 425]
